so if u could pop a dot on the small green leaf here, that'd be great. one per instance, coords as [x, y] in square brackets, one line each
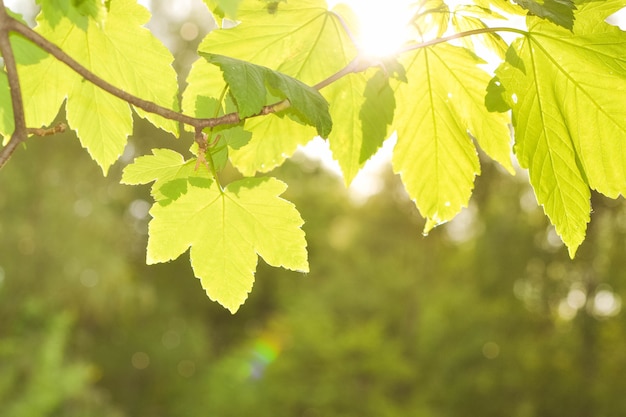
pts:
[6, 108]
[226, 230]
[560, 12]
[223, 8]
[495, 100]
[249, 84]
[162, 167]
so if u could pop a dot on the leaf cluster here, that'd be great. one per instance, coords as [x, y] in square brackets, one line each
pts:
[287, 71]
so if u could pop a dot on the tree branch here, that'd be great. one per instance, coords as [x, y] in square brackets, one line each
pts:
[9, 24]
[19, 134]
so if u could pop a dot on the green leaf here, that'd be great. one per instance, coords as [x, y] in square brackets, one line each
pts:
[163, 167]
[569, 124]
[6, 108]
[225, 231]
[432, 16]
[466, 20]
[495, 100]
[560, 12]
[442, 102]
[247, 83]
[275, 137]
[504, 5]
[303, 40]
[364, 104]
[101, 121]
[223, 8]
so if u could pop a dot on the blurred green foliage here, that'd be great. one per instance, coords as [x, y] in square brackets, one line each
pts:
[486, 316]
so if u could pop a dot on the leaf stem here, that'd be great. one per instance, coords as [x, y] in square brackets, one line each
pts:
[420, 45]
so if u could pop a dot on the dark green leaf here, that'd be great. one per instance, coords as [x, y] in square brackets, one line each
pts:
[560, 12]
[251, 85]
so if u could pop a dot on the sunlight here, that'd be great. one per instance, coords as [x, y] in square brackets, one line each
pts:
[383, 26]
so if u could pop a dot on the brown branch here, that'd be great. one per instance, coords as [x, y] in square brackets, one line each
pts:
[9, 24]
[59, 128]
[19, 134]
[58, 53]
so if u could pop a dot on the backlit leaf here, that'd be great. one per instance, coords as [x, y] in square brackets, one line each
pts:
[364, 105]
[303, 40]
[162, 167]
[570, 127]
[226, 230]
[443, 102]
[6, 109]
[101, 121]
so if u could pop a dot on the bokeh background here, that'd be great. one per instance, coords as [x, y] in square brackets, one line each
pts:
[487, 316]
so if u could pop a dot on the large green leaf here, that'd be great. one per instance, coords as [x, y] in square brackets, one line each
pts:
[101, 121]
[225, 231]
[567, 94]
[301, 39]
[442, 102]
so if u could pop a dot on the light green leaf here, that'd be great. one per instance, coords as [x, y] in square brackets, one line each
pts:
[503, 5]
[225, 231]
[163, 167]
[6, 108]
[103, 48]
[464, 22]
[432, 17]
[274, 139]
[442, 102]
[247, 83]
[570, 127]
[302, 40]
[102, 122]
[363, 104]
[223, 8]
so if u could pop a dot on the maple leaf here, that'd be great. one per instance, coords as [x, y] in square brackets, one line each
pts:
[569, 128]
[303, 40]
[434, 155]
[102, 122]
[226, 230]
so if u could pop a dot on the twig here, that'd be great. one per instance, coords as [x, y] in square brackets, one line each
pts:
[59, 128]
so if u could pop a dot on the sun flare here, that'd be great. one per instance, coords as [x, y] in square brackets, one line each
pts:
[383, 27]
